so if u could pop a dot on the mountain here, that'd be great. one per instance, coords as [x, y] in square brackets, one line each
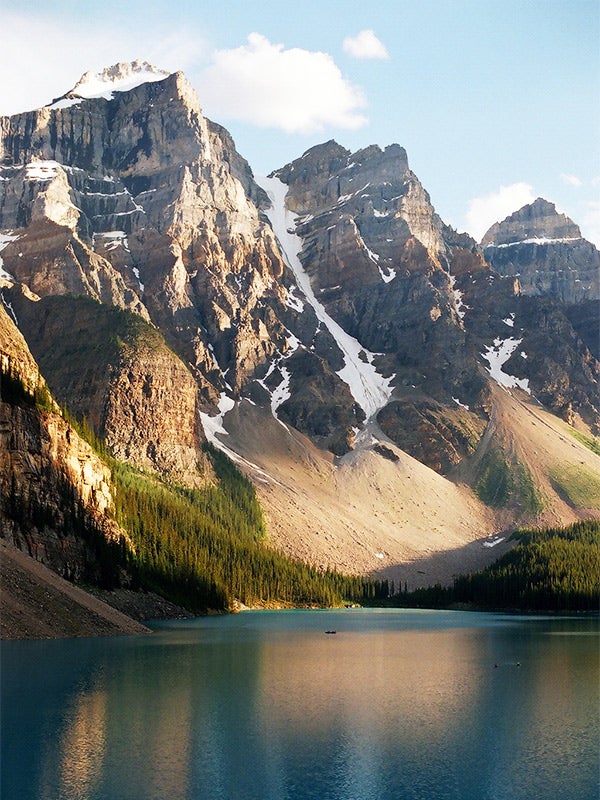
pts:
[547, 253]
[544, 251]
[395, 391]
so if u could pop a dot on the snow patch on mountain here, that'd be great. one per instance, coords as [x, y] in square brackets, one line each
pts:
[294, 302]
[537, 240]
[459, 305]
[41, 170]
[386, 277]
[6, 238]
[497, 355]
[9, 307]
[214, 425]
[458, 403]
[282, 392]
[111, 239]
[370, 389]
[120, 77]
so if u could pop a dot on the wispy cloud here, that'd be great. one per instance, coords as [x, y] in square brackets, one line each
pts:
[496, 206]
[294, 90]
[571, 180]
[365, 45]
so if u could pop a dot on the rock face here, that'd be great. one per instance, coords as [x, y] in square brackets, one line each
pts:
[46, 471]
[547, 253]
[384, 267]
[135, 200]
[159, 283]
[119, 375]
[139, 202]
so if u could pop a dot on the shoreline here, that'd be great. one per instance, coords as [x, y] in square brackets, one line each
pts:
[36, 603]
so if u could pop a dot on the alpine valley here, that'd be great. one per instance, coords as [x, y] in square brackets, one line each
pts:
[397, 397]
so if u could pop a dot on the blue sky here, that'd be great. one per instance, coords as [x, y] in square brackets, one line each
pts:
[495, 101]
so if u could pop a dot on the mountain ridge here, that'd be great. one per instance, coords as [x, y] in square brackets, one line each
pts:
[325, 314]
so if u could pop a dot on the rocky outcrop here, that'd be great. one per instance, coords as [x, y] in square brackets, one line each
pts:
[554, 358]
[118, 374]
[537, 220]
[546, 252]
[381, 263]
[51, 481]
[436, 435]
[366, 204]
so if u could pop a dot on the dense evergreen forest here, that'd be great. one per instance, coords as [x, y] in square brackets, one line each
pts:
[205, 548]
[550, 569]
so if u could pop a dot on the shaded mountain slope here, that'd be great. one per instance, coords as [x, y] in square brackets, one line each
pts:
[39, 604]
[378, 510]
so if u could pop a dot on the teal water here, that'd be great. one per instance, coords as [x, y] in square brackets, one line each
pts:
[265, 706]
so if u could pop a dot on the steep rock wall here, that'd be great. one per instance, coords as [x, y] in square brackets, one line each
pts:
[49, 477]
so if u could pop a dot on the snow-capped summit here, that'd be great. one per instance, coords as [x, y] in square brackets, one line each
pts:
[118, 78]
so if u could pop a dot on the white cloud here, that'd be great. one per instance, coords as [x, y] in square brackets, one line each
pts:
[294, 90]
[571, 180]
[495, 207]
[365, 45]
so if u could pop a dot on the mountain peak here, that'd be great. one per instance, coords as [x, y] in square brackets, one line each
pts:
[538, 221]
[119, 77]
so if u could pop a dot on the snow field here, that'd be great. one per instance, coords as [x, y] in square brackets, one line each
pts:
[370, 389]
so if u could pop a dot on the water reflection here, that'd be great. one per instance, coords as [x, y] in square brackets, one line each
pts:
[83, 745]
[271, 708]
[373, 686]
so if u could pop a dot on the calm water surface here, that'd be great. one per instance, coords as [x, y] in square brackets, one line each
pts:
[266, 706]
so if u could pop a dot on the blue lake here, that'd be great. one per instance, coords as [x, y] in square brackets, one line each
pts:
[266, 706]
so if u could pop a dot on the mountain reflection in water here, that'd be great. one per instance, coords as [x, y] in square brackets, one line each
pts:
[265, 705]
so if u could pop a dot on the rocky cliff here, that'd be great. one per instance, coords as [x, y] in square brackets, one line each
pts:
[381, 263]
[546, 251]
[165, 291]
[53, 487]
[114, 370]
[135, 199]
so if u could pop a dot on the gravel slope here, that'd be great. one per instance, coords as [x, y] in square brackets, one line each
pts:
[36, 603]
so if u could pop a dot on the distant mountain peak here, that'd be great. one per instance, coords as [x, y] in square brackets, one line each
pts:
[535, 222]
[119, 77]
[545, 251]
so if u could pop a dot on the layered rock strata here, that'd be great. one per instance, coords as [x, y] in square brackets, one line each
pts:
[546, 252]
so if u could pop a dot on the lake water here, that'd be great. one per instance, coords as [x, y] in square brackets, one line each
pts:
[266, 706]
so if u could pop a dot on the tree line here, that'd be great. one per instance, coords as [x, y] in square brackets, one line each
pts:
[205, 548]
[548, 569]
[201, 548]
